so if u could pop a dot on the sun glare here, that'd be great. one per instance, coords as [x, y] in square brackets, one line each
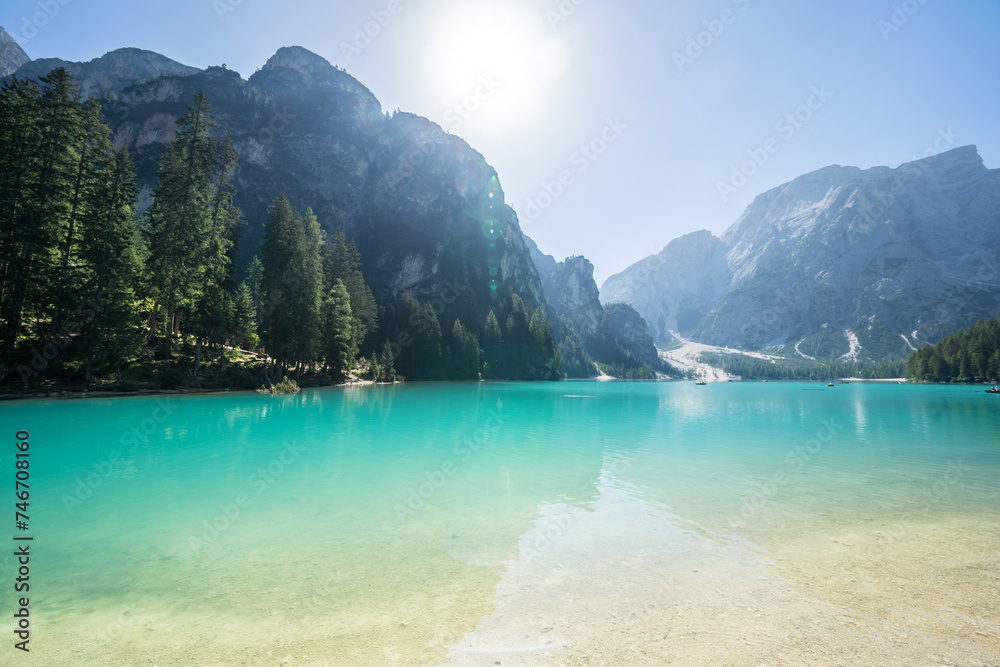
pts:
[491, 62]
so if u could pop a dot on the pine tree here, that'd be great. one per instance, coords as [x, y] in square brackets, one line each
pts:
[180, 218]
[387, 364]
[492, 347]
[292, 285]
[465, 355]
[340, 345]
[20, 240]
[211, 312]
[545, 361]
[309, 295]
[112, 251]
[244, 324]
[42, 131]
[255, 273]
[342, 262]
[282, 253]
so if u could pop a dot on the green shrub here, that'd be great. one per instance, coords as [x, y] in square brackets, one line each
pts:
[286, 386]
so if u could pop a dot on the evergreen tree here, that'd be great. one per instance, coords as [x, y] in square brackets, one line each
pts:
[42, 132]
[212, 307]
[112, 251]
[465, 363]
[492, 347]
[20, 240]
[181, 216]
[545, 358]
[308, 298]
[255, 274]
[244, 325]
[292, 286]
[387, 364]
[282, 257]
[340, 345]
[966, 356]
[342, 262]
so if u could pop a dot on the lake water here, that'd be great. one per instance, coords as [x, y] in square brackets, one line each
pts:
[512, 524]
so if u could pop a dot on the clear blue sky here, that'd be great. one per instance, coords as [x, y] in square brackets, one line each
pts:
[888, 92]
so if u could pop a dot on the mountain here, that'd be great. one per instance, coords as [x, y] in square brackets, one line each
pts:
[426, 211]
[110, 73]
[615, 335]
[12, 56]
[842, 262]
[675, 289]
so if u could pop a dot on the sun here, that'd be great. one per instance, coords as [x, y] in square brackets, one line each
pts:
[491, 62]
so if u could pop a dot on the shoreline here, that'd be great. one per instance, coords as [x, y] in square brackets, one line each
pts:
[160, 392]
[67, 394]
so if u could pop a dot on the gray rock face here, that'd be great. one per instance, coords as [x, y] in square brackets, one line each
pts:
[426, 210]
[572, 291]
[841, 262]
[12, 56]
[626, 327]
[610, 334]
[675, 289]
[111, 72]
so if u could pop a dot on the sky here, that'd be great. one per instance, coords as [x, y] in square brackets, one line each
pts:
[615, 127]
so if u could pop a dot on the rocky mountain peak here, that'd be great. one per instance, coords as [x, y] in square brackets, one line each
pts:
[12, 56]
[300, 59]
[841, 262]
[112, 72]
[296, 75]
[954, 166]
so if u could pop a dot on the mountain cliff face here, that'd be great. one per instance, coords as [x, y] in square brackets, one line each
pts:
[110, 73]
[675, 289]
[426, 211]
[841, 262]
[610, 335]
[12, 56]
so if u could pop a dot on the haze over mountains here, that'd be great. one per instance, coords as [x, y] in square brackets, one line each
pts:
[840, 262]
[12, 56]
[425, 210]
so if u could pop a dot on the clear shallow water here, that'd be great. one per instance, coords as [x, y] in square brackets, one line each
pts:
[616, 523]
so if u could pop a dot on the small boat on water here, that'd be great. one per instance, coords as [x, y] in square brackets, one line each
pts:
[994, 390]
[701, 384]
[830, 385]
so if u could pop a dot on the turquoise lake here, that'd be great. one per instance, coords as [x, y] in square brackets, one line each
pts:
[515, 524]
